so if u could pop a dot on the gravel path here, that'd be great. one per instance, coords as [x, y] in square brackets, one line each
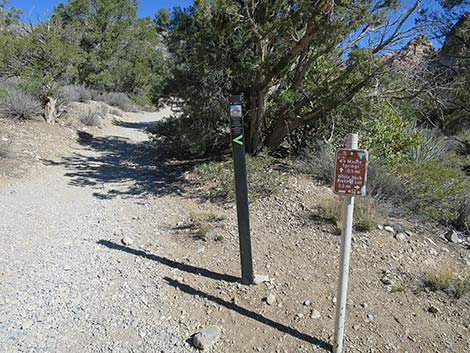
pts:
[60, 289]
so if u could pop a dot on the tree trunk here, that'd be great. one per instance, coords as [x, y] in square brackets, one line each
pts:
[280, 131]
[51, 110]
[257, 120]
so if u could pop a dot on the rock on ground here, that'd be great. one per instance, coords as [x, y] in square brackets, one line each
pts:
[207, 337]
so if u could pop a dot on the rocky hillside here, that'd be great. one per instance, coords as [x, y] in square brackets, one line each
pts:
[457, 44]
[420, 50]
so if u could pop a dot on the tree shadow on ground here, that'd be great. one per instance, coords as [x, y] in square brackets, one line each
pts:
[250, 314]
[170, 263]
[123, 168]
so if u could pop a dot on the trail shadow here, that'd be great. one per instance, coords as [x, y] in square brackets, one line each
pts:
[251, 314]
[123, 168]
[170, 263]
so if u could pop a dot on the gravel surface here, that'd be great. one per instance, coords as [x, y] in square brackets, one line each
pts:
[61, 290]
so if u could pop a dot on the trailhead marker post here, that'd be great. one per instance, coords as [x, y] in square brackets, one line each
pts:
[241, 187]
[349, 181]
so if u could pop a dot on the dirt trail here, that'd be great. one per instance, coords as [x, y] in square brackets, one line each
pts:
[61, 290]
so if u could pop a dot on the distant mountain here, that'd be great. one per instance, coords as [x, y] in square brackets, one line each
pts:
[419, 53]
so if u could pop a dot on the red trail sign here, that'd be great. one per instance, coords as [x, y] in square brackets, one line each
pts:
[350, 172]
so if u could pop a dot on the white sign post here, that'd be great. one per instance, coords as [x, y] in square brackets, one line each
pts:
[351, 143]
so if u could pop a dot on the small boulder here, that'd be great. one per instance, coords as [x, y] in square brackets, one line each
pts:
[207, 337]
[389, 229]
[127, 240]
[452, 236]
[315, 314]
[271, 299]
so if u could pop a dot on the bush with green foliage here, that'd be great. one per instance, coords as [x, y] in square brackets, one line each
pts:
[295, 65]
[387, 133]
[263, 179]
[438, 189]
[366, 213]
[446, 278]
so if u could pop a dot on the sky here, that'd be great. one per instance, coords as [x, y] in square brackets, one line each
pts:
[36, 10]
[39, 10]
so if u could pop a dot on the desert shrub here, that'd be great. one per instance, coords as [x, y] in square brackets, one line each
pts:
[142, 101]
[318, 160]
[19, 105]
[73, 93]
[447, 279]
[114, 99]
[187, 138]
[463, 216]
[96, 95]
[434, 146]
[10, 83]
[330, 208]
[93, 116]
[382, 185]
[366, 213]
[263, 179]
[119, 100]
[116, 112]
[201, 222]
[438, 190]
[388, 133]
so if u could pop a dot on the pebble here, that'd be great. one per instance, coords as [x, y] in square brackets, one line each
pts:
[27, 325]
[380, 227]
[127, 240]
[8, 155]
[389, 229]
[307, 303]
[315, 314]
[400, 236]
[207, 337]
[271, 299]
[260, 279]
[370, 317]
[433, 310]
[387, 281]
[299, 316]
